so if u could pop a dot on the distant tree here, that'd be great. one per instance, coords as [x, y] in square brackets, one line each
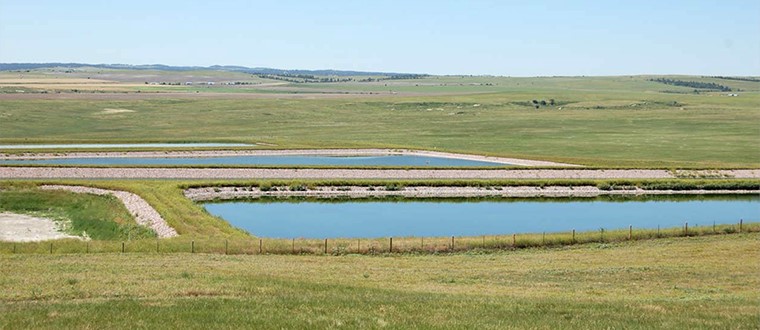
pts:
[551, 101]
[534, 102]
[543, 102]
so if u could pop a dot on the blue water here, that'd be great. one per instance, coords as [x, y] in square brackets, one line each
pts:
[402, 160]
[120, 145]
[423, 218]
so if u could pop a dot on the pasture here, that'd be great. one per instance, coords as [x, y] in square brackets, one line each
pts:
[697, 283]
[603, 121]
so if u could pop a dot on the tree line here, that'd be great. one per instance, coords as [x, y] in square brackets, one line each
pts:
[735, 78]
[693, 84]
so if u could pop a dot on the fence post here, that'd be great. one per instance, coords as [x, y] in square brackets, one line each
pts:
[573, 236]
[325, 246]
[543, 238]
[741, 222]
[358, 245]
[51, 247]
[514, 240]
[452, 243]
[422, 243]
[601, 235]
[714, 227]
[390, 247]
[630, 232]
[122, 247]
[261, 246]
[686, 228]
[192, 246]
[226, 247]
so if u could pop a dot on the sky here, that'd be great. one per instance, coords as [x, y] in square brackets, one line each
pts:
[479, 37]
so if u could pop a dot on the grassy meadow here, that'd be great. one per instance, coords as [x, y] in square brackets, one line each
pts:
[604, 121]
[698, 283]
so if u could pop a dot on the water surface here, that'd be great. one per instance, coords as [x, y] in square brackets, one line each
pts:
[391, 160]
[429, 218]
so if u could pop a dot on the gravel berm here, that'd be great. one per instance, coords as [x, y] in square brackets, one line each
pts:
[259, 173]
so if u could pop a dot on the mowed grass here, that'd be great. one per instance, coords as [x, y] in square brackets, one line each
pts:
[596, 127]
[696, 282]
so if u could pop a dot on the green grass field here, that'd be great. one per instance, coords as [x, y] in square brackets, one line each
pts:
[698, 282]
[608, 121]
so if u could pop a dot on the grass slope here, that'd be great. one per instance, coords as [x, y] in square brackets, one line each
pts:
[702, 282]
[101, 217]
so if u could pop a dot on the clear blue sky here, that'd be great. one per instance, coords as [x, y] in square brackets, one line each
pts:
[501, 37]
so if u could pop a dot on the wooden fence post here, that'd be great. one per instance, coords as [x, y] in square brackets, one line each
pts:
[226, 247]
[514, 240]
[452, 243]
[741, 222]
[325, 246]
[686, 228]
[390, 248]
[122, 247]
[261, 246]
[630, 232]
[192, 246]
[51, 247]
[573, 241]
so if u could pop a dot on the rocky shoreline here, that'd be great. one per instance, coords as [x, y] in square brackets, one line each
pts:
[227, 193]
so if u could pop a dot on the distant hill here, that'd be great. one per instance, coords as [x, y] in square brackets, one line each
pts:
[271, 71]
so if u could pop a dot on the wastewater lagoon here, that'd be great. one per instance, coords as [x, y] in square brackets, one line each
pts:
[389, 160]
[288, 218]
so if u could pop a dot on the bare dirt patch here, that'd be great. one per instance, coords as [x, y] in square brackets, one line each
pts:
[24, 228]
[109, 111]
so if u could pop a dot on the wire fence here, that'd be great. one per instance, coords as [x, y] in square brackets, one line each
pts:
[371, 246]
